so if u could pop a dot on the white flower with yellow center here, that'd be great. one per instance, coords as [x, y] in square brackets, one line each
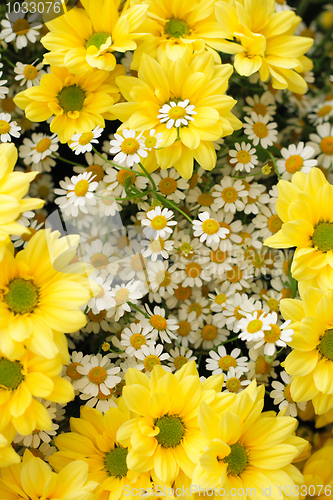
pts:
[260, 131]
[171, 184]
[151, 356]
[37, 436]
[158, 223]
[229, 194]
[282, 396]
[243, 156]
[162, 280]
[24, 238]
[256, 200]
[152, 140]
[43, 188]
[232, 381]
[199, 199]
[179, 357]
[322, 142]
[260, 366]
[267, 222]
[82, 143]
[296, 159]
[3, 90]
[28, 73]
[154, 248]
[8, 128]
[131, 292]
[117, 178]
[322, 113]
[277, 335]
[209, 335]
[240, 276]
[221, 361]
[103, 300]
[99, 375]
[101, 256]
[209, 230]
[159, 325]
[36, 149]
[194, 272]
[79, 192]
[175, 114]
[129, 148]
[135, 336]
[188, 323]
[263, 105]
[19, 30]
[254, 326]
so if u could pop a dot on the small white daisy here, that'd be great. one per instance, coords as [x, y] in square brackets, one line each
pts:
[97, 322]
[102, 256]
[322, 142]
[254, 326]
[70, 372]
[129, 148]
[99, 375]
[35, 151]
[24, 238]
[102, 402]
[151, 356]
[43, 187]
[8, 128]
[175, 114]
[158, 223]
[78, 194]
[29, 73]
[3, 90]
[135, 336]
[260, 131]
[263, 105]
[243, 156]
[179, 357]
[162, 280]
[171, 184]
[322, 113]
[82, 143]
[221, 361]
[188, 324]
[104, 299]
[229, 194]
[157, 247]
[233, 381]
[209, 335]
[159, 325]
[296, 159]
[153, 140]
[275, 336]
[131, 292]
[261, 367]
[33, 440]
[16, 28]
[117, 178]
[282, 397]
[209, 230]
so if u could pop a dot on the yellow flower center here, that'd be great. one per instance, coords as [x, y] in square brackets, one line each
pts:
[168, 186]
[123, 175]
[137, 340]
[4, 127]
[186, 249]
[226, 362]
[158, 322]
[151, 361]
[229, 194]
[86, 138]
[184, 328]
[237, 458]
[261, 366]
[273, 304]
[21, 27]
[209, 332]
[260, 130]
[177, 112]
[234, 275]
[243, 156]
[272, 335]
[71, 98]
[210, 226]
[97, 375]
[159, 222]
[325, 110]
[237, 314]
[233, 384]
[150, 142]
[287, 394]
[96, 318]
[274, 223]
[322, 237]
[121, 296]
[325, 345]
[220, 299]
[97, 172]
[180, 361]
[72, 372]
[8, 104]
[130, 146]
[260, 109]
[30, 72]
[195, 307]
[22, 296]
[205, 199]
[254, 326]
[183, 293]
[81, 187]
[97, 39]
[172, 431]
[10, 374]
[193, 270]
[43, 145]
[294, 163]
[326, 145]
[163, 278]
[157, 246]
[99, 261]
[176, 28]
[218, 256]
[115, 462]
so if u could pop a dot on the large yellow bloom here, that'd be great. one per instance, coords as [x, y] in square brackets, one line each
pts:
[318, 473]
[24, 378]
[83, 40]
[311, 361]
[13, 187]
[93, 440]
[247, 448]
[37, 302]
[78, 102]
[266, 42]
[33, 478]
[167, 92]
[7, 454]
[304, 206]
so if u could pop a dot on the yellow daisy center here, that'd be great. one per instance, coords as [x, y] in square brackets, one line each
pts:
[236, 460]
[163, 278]
[274, 223]
[273, 304]
[151, 361]
[287, 394]
[159, 222]
[322, 237]
[97, 375]
[186, 249]
[72, 372]
[71, 98]
[261, 366]
[137, 340]
[195, 307]
[237, 314]
[4, 127]
[294, 163]
[325, 345]
[123, 175]
[226, 362]
[121, 296]
[243, 156]
[10, 374]
[86, 138]
[233, 384]
[210, 226]
[22, 296]
[183, 293]
[81, 187]
[21, 27]
[209, 332]
[180, 361]
[230, 194]
[8, 104]
[150, 142]
[220, 299]
[176, 28]
[43, 145]
[157, 245]
[205, 199]
[234, 275]
[115, 462]
[272, 335]
[168, 185]
[260, 108]
[177, 112]
[172, 431]
[326, 145]
[218, 256]
[158, 322]
[260, 130]
[97, 39]
[30, 72]
[325, 110]
[184, 328]
[130, 146]
[254, 326]
[97, 172]
[96, 318]
[99, 261]
[193, 270]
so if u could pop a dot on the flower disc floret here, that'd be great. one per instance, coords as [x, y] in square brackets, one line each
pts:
[11, 374]
[294, 163]
[43, 145]
[71, 98]
[176, 28]
[115, 462]
[325, 346]
[22, 296]
[322, 237]
[236, 460]
[172, 431]
[97, 40]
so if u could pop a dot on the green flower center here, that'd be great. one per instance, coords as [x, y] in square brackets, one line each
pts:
[236, 460]
[176, 28]
[115, 462]
[10, 374]
[22, 296]
[172, 431]
[325, 345]
[322, 237]
[71, 98]
[97, 39]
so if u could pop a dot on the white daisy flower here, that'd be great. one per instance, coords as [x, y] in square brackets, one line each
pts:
[29, 73]
[179, 357]
[209, 230]
[161, 280]
[243, 156]
[35, 151]
[159, 325]
[282, 396]
[82, 143]
[70, 372]
[229, 194]
[240, 276]
[78, 194]
[158, 224]
[199, 199]
[23, 239]
[254, 326]
[102, 402]
[96, 165]
[260, 131]
[219, 298]
[175, 114]
[99, 375]
[263, 105]
[116, 179]
[260, 366]
[101, 256]
[322, 142]
[194, 272]
[151, 356]
[221, 361]
[275, 336]
[8, 128]
[209, 335]
[296, 159]
[3, 90]
[129, 148]
[16, 28]
[188, 324]
[267, 222]
[153, 140]
[155, 248]
[321, 113]
[131, 292]
[171, 184]
[104, 299]
[135, 336]
[232, 381]
[256, 201]
[97, 322]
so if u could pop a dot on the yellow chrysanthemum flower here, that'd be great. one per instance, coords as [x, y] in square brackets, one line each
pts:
[311, 361]
[247, 448]
[38, 302]
[24, 378]
[83, 40]
[33, 478]
[304, 206]
[184, 100]
[78, 102]
[318, 474]
[93, 440]
[177, 25]
[266, 42]
[7, 454]
[13, 187]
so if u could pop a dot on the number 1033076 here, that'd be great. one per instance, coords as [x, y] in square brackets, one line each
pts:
[317, 490]
[33, 7]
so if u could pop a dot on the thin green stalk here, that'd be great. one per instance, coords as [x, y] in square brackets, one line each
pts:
[275, 166]
[173, 205]
[115, 164]
[138, 309]
[144, 193]
[151, 180]
[58, 157]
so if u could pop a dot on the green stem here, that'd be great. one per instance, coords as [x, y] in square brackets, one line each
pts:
[275, 166]
[230, 340]
[173, 205]
[151, 180]
[115, 164]
[58, 157]
[138, 309]
[126, 198]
